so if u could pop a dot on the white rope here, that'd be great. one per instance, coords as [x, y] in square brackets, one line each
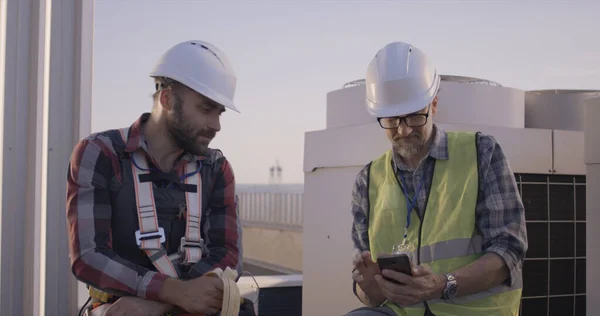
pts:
[231, 292]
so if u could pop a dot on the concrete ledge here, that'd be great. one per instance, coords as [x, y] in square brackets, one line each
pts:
[270, 281]
[278, 269]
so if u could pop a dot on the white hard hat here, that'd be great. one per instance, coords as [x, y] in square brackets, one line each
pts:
[202, 67]
[400, 80]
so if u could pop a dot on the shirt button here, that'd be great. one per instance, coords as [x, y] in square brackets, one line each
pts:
[418, 178]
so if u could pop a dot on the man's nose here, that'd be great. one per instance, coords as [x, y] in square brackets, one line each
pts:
[404, 129]
[214, 123]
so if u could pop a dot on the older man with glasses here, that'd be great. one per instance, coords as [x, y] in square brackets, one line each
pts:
[446, 202]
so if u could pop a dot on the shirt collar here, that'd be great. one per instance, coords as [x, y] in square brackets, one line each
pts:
[136, 139]
[439, 146]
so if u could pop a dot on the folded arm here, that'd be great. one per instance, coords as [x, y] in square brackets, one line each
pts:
[91, 168]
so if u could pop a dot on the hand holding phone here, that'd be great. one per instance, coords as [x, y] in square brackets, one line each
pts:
[396, 262]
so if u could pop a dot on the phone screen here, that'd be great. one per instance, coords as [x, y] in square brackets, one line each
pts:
[399, 263]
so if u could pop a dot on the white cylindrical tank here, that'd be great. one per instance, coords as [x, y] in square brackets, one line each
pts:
[556, 109]
[462, 100]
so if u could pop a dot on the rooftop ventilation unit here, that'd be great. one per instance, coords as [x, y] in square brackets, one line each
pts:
[462, 100]
[451, 78]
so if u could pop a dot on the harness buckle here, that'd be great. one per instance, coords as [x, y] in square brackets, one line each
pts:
[139, 236]
[189, 244]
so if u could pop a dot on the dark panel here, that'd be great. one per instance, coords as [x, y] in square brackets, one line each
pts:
[535, 200]
[580, 302]
[537, 238]
[276, 301]
[580, 235]
[580, 202]
[561, 306]
[562, 240]
[580, 280]
[525, 177]
[562, 273]
[561, 179]
[562, 202]
[535, 278]
[534, 306]
[579, 179]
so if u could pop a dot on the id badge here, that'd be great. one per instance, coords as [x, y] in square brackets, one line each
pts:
[407, 249]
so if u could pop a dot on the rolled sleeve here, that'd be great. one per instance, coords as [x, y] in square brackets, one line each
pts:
[151, 290]
[511, 259]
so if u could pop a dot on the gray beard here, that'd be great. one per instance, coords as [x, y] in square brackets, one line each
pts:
[409, 149]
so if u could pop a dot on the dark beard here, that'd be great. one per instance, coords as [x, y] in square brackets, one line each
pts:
[183, 134]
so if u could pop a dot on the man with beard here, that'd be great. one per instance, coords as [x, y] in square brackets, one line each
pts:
[151, 209]
[447, 201]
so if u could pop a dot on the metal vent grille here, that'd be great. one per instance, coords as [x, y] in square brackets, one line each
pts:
[554, 270]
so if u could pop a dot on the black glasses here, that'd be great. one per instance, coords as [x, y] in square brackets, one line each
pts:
[411, 120]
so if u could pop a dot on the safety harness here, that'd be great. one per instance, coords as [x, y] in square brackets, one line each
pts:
[150, 236]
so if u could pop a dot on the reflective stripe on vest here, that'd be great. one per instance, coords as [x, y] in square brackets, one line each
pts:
[447, 239]
[150, 236]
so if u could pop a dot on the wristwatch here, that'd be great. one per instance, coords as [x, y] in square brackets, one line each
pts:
[451, 287]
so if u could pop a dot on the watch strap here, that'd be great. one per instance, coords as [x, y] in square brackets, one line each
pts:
[450, 290]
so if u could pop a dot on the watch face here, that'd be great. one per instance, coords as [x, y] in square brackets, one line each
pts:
[451, 291]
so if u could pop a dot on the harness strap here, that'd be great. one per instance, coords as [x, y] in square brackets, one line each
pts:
[150, 236]
[191, 244]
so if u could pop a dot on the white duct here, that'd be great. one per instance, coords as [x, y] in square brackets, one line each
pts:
[556, 109]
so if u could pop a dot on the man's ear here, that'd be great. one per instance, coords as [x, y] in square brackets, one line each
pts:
[164, 98]
[434, 105]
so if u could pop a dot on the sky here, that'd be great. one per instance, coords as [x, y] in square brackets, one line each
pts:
[288, 55]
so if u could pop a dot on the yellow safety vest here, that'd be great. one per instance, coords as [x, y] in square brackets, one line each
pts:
[447, 239]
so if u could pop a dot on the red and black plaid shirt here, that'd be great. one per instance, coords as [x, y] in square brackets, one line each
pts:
[93, 172]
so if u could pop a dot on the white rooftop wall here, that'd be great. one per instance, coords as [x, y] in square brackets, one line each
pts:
[334, 156]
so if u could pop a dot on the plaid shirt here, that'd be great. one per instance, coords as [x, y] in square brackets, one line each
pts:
[93, 173]
[500, 215]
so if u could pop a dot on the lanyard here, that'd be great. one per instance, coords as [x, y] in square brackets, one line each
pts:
[409, 205]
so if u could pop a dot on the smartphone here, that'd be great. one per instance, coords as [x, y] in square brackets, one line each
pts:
[398, 262]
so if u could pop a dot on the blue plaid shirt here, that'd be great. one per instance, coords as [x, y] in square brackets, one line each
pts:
[500, 215]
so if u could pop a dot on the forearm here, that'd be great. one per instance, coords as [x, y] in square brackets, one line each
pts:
[170, 292]
[482, 274]
[109, 273]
